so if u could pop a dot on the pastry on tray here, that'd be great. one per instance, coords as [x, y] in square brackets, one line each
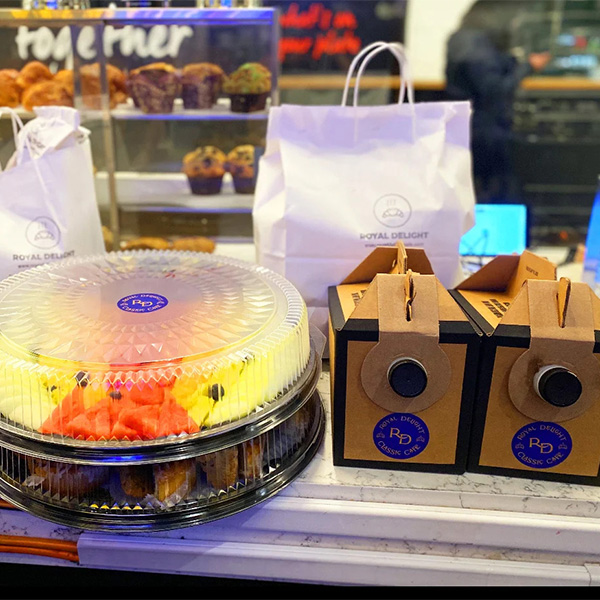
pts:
[91, 86]
[10, 90]
[161, 480]
[47, 93]
[201, 84]
[240, 163]
[194, 244]
[146, 243]
[154, 87]
[251, 458]
[248, 87]
[205, 168]
[70, 480]
[33, 72]
[136, 480]
[175, 477]
[221, 468]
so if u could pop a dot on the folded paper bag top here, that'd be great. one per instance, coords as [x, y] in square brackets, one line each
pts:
[400, 346]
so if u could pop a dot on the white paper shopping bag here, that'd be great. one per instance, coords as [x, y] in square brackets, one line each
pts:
[48, 207]
[336, 181]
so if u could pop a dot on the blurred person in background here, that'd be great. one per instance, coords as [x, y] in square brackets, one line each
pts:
[481, 68]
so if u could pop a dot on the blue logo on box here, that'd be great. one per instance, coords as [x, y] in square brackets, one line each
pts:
[401, 435]
[542, 445]
[142, 303]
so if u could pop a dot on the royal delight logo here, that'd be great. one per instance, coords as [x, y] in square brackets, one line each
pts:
[401, 435]
[542, 445]
[392, 210]
[142, 303]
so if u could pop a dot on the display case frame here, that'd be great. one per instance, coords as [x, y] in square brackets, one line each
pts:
[232, 208]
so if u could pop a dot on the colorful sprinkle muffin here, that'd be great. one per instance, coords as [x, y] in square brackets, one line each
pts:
[201, 84]
[154, 87]
[205, 168]
[240, 163]
[248, 87]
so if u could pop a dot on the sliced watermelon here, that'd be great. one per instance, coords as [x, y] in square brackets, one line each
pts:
[121, 432]
[146, 395]
[144, 419]
[145, 413]
[70, 407]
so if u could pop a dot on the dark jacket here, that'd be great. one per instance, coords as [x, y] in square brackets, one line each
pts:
[478, 71]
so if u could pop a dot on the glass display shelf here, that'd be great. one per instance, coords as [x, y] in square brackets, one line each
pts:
[170, 191]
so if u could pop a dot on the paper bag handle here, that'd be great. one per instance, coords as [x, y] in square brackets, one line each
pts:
[17, 125]
[370, 51]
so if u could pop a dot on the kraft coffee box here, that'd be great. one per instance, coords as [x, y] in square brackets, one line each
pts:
[403, 359]
[537, 411]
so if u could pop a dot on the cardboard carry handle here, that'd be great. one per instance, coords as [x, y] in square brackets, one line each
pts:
[408, 314]
[562, 344]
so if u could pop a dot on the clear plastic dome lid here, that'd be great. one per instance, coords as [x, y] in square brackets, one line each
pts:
[142, 345]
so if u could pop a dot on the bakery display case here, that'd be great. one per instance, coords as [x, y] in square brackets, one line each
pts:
[156, 88]
[179, 389]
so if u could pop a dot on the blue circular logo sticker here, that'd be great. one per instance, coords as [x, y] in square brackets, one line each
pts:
[401, 436]
[542, 445]
[142, 303]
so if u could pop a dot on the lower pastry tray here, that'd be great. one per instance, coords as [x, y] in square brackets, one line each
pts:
[165, 495]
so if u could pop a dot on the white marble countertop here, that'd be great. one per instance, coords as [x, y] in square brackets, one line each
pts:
[369, 526]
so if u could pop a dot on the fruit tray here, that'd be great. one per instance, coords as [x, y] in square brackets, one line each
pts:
[134, 351]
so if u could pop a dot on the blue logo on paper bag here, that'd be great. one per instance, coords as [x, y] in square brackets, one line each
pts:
[542, 445]
[142, 303]
[401, 435]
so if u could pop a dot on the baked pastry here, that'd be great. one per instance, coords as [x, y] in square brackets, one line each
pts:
[174, 477]
[251, 456]
[67, 479]
[32, 73]
[10, 90]
[248, 87]
[91, 86]
[205, 168]
[201, 84]
[47, 93]
[154, 87]
[136, 480]
[146, 243]
[240, 163]
[221, 468]
[194, 244]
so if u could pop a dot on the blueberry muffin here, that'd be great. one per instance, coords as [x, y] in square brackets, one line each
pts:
[240, 163]
[201, 84]
[205, 168]
[248, 87]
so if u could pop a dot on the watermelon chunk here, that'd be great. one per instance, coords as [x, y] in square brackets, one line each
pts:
[70, 407]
